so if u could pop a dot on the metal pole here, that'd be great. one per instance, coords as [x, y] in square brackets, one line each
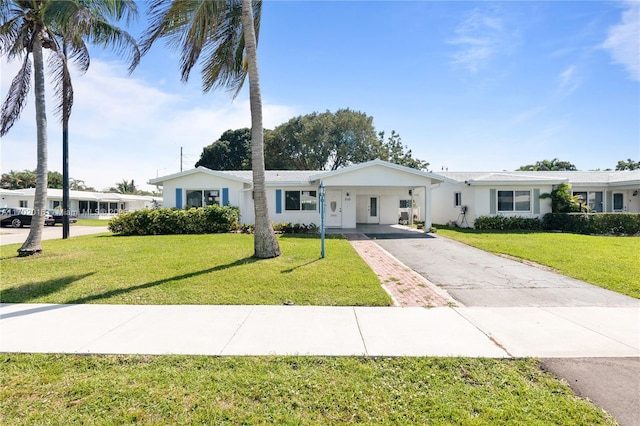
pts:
[65, 158]
[322, 191]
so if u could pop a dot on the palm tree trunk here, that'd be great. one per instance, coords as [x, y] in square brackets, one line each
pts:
[33, 243]
[265, 242]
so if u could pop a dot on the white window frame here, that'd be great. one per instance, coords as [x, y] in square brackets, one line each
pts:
[311, 200]
[208, 197]
[591, 199]
[514, 201]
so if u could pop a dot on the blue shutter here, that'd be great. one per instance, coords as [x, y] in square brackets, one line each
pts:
[179, 198]
[225, 196]
[492, 201]
[536, 201]
[278, 200]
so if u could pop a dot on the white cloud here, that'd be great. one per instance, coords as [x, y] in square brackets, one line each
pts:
[623, 40]
[123, 128]
[479, 38]
[568, 80]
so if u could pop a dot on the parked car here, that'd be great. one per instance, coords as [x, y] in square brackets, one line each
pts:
[17, 217]
[57, 216]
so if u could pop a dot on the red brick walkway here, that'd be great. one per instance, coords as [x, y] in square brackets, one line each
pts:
[406, 287]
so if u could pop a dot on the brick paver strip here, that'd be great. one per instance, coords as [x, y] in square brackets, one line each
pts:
[406, 287]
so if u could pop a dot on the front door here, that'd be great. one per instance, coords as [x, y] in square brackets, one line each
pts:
[333, 209]
[373, 210]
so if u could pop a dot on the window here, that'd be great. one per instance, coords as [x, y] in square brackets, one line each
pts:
[457, 199]
[405, 204]
[618, 202]
[202, 197]
[300, 200]
[24, 203]
[56, 204]
[591, 198]
[509, 201]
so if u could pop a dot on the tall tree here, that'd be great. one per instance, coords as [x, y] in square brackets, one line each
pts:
[231, 152]
[393, 151]
[225, 33]
[27, 27]
[322, 141]
[628, 165]
[548, 165]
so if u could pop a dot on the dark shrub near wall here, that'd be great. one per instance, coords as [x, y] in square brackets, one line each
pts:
[593, 223]
[507, 223]
[207, 220]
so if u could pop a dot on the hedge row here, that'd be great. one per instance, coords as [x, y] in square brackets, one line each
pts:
[285, 228]
[577, 223]
[593, 223]
[211, 219]
[507, 223]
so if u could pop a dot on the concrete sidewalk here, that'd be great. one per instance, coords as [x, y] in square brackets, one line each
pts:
[314, 330]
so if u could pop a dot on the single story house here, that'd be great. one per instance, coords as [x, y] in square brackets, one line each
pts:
[372, 192]
[99, 205]
[464, 196]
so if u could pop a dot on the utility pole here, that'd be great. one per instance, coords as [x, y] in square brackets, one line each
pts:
[180, 159]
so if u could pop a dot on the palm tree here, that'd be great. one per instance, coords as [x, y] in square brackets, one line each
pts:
[26, 28]
[226, 33]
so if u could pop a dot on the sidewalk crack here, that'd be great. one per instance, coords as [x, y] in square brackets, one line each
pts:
[364, 344]
[224, 348]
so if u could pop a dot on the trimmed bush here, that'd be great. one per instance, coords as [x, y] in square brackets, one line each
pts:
[593, 223]
[208, 220]
[507, 223]
[285, 228]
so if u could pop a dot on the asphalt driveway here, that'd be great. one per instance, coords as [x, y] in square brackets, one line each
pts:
[477, 278]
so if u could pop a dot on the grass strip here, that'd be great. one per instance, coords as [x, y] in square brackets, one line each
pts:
[606, 261]
[189, 269]
[74, 389]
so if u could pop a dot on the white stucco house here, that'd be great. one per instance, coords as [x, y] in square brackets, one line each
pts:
[372, 192]
[98, 205]
[464, 196]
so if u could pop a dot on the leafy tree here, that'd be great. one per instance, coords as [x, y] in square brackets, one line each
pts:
[395, 152]
[231, 152]
[18, 179]
[54, 180]
[549, 165]
[26, 29]
[225, 32]
[562, 201]
[322, 141]
[628, 165]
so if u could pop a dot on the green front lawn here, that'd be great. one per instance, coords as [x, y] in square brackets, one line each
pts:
[72, 389]
[609, 262]
[189, 269]
[92, 222]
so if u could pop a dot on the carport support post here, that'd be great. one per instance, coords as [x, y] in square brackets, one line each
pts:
[322, 191]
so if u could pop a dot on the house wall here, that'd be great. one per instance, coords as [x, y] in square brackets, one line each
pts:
[236, 195]
[443, 208]
[478, 200]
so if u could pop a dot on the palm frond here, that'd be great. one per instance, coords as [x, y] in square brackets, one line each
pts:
[63, 90]
[16, 97]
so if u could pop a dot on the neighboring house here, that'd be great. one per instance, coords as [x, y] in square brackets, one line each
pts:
[372, 192]
[463, 197]
[86, 204]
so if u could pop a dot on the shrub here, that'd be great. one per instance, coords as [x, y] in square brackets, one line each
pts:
[285, 228]
[163, 221]
[507, 223]
[593, 223]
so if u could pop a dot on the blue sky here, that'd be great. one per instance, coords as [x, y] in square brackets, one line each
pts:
[469, 86]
